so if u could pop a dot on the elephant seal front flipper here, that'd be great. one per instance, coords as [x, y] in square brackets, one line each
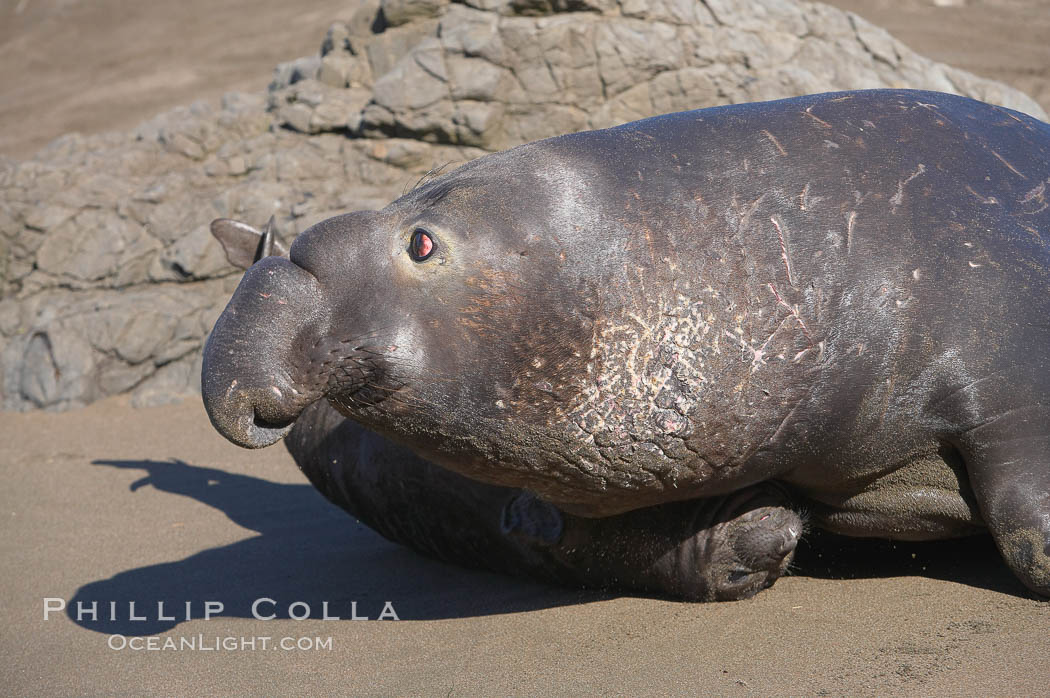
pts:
[1005, 442]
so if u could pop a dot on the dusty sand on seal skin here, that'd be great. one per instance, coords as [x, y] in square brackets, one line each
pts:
[111, 503]
[116, 504]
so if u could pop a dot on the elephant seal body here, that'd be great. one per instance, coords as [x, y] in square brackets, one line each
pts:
[847, 294]
[722, 548]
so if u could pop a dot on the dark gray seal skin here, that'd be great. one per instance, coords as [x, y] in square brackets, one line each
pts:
[847, 293]
[718, 549]
[724, 548]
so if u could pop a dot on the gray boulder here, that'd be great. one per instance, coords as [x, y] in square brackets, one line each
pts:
[495, 74]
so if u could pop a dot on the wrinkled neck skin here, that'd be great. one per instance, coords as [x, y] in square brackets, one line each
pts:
[590, 351]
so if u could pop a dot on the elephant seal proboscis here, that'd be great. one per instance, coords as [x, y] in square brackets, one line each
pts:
[840, 300]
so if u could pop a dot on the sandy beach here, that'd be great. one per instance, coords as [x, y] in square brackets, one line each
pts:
[115, 504]
[111, 506]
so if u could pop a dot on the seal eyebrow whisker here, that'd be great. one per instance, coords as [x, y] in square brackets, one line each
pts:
[430, 174]
[434, 191]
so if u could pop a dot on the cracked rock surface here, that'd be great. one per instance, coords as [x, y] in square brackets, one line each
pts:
[110, 279]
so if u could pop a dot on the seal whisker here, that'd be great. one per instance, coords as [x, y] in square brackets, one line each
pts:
[430, 174]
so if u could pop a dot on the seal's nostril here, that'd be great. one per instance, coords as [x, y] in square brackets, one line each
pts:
[788, 543]
[263, 423]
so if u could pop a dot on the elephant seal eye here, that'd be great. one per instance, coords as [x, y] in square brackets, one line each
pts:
[421, 246]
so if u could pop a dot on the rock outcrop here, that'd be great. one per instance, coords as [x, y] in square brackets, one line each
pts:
[111, 280]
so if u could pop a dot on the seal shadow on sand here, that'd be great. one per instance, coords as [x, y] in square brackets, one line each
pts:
[307, 550]
[310, 551]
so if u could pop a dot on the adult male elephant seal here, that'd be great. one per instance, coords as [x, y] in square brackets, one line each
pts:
[718, 548]
[846, 295]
